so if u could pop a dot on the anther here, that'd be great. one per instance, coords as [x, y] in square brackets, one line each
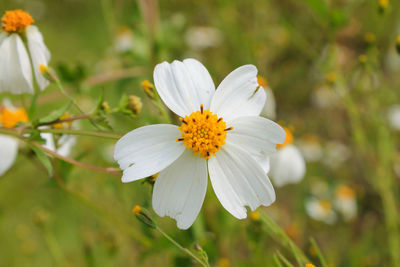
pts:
[208, 154]
[207, 117]
[180, 139]
[220, 119]
[182, 120]
[201, 108]
[228, 129]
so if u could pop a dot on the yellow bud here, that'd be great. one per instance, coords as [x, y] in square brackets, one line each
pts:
[135, 104]
[310, 265]
[48, 73]
[63, 125]
[104, 106]
[148, 88]
[254, 215]
[262, 81]
[398, 44]
[136, 210]
[331, 77]
[369, 38]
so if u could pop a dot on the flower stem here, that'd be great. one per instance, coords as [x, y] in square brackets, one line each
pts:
[185, 250]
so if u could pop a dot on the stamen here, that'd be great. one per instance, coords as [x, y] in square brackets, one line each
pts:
[182, 120]
[201, 108]
[180, 139]
[228, 129]
[220, 119]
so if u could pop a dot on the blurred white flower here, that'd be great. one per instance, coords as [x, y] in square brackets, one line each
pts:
[320, 210]
[10, 116]
[287, 163]
[17, 62]
[393, 116]
[123, 40]
[345, 202]
[199, 38]
[269, 109]
[63, 145]
[311, 148]
[335, 154]
[224, 136]
[324, 96]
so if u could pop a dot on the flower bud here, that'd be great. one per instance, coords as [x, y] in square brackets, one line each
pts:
[48, 73]
[135, 104]
[63, 125]
[105, 107]
[144, 216]
[254, 215]
[148, 88]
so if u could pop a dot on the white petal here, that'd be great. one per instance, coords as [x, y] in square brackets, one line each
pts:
[180, 189]
[39, 53]
[147, 150]
[184, 86]
[239, 94]
[3, 35]
[256, 135]
[8, 152]
[48, 137]
[269, 109]
[238, 181]
[287, 166]
[15, 67]
[66, 142]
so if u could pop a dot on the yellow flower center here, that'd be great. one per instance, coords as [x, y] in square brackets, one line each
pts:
[345, 192]
[325, 205]
[10, 118]
[203, 132]
[16, 21]
[288, 139]
[383, 3]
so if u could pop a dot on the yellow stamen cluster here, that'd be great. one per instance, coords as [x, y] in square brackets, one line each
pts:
[288, 139]
[16, 21]
[10, 118]
[326, 206]
[136, 210]
[203, 132]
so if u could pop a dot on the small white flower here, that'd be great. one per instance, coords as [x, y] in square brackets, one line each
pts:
[336, 153]
[123, 40]
[393, 116]
[269, 109]
[8, 152]
[199, 38]
[287, 163]
[16, 61]
[345, 202]
[311, 148]
[321, 210]
[63, 146]
[223, 135]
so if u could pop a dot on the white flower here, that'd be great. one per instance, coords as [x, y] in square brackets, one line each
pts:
[199, 38]
[224, 136]
[287, 163]
[8, 152]
[321, 210]
[311, 148]
[345, 202]
[16, 61]
[269, 109]
[64, 143]
[393, 116]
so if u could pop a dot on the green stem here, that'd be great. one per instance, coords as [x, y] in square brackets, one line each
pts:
[281, 237]
[185, 250]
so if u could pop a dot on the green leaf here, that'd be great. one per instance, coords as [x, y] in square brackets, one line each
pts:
[55, 115]
[44, 159]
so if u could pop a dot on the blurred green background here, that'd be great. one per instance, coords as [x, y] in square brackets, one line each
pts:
[334, 71]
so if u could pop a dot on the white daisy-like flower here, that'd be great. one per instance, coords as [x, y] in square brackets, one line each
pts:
[321, 210]
[221, 136]
[287, 163]
[269, 110]
[393, 116]
[17, 59]
[345, 202]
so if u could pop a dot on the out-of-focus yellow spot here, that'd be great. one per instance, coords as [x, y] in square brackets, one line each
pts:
[398, 40]
[148, 88]
[331, 77]
[383, 4]
[223, 262]
[16, 21]
[369, 38]
[10, 118]
[255, 215]
[344, 192]
[362, 59]
[136, 210]
[288, 139]
[310, 265]
[43, 69]
[135, 104]
[293, 230]
[63, 125]
[326, 206]
[262, 81]
[28, 247]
